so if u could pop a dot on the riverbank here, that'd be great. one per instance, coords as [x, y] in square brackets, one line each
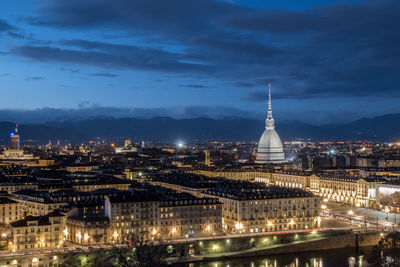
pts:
[326, 242]
[329, 258]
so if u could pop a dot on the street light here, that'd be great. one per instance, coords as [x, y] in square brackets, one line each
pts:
[350, 212]
[239, 226]
[387, 209]
[215, 248]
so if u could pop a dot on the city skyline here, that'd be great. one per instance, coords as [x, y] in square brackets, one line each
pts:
[210, 58]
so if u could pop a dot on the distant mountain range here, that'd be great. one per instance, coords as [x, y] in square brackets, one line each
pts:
[164, 129]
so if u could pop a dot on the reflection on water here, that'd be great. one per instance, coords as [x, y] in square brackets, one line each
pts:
[328, 258]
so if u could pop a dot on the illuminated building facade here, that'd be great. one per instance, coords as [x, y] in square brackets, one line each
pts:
[253, 208]
[38, 232]
[144, 216]
[351, 190]
[10, 210]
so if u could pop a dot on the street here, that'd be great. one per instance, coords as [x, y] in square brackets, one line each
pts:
[361, 216]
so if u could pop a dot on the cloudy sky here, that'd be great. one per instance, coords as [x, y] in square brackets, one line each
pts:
[328, 61]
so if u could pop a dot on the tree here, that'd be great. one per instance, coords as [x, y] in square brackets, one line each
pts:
[136, 255]
[387, 252]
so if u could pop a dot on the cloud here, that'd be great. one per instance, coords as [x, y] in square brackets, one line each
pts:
[101, 74]
[107, 55]
[5, 27]
[244, 84]
[193, 86]
[178, 18]
[343, 49]
[12, 31]
[34, 78]
[255, 96]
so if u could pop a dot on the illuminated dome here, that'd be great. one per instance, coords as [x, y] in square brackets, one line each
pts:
[270, 149]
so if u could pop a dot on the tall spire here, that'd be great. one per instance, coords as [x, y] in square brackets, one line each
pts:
[269, 122]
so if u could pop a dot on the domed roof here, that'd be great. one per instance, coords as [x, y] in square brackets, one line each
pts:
[270, 140]
[270, 149]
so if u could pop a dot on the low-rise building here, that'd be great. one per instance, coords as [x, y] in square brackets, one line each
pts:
[38, 232]
[162, 214]
[10, 210]
[254, 207]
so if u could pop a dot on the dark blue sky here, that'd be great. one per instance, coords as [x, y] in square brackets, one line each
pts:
[328, 61]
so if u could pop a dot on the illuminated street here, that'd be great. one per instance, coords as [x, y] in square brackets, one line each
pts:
[362, 216]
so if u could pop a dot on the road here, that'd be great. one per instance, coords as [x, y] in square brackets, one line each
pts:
[363, 216]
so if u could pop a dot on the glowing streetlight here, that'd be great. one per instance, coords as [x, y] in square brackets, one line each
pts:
[79, 235]
[215, 247]
[85, 237]
[154, 232]
[174, 230]
[325, 200]
[115, 234]
[350, 212]
[239, 226]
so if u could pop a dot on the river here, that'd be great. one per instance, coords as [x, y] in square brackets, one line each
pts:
[328, 258]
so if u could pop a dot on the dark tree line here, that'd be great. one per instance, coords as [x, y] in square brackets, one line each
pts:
[387, 252]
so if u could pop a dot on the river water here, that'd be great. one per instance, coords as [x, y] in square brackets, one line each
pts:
[346, 257]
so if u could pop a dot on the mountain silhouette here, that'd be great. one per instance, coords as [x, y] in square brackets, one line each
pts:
[165, 129]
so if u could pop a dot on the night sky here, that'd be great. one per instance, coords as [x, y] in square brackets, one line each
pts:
[328, 61]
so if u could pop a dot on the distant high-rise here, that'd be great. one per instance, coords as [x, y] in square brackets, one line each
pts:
[270, 149]
[15, 139]
[207, 160]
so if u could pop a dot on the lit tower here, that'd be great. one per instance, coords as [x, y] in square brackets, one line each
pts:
[207, 160]
[15, 139]
[270, 149]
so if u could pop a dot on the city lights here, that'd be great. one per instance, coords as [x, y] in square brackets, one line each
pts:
[350, 212]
